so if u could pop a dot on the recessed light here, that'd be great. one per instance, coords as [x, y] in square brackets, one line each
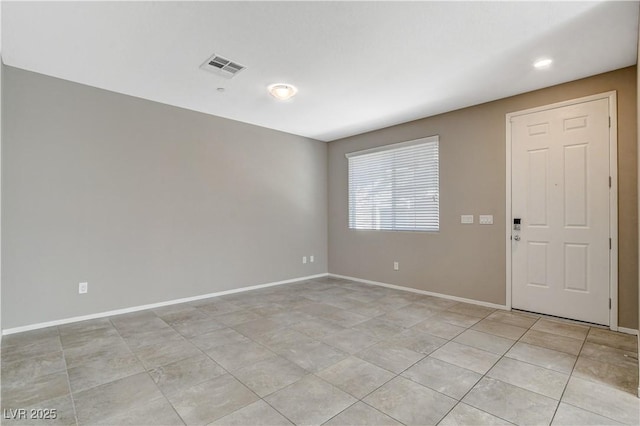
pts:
[282, 91]
[543, 63]
[220, 89]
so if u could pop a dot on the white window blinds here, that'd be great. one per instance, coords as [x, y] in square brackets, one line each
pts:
[395, 187]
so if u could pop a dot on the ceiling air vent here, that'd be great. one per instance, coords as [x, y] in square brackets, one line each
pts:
[222, 66]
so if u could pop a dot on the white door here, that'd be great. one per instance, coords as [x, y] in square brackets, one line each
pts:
[560, 191]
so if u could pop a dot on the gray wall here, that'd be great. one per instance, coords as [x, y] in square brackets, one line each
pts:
[469, 260]
[146, 202]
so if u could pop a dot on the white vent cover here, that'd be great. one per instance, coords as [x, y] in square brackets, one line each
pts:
[222, 66]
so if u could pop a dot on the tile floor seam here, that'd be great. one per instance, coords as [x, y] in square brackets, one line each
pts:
[239, 381]
[146, 371]
[278, 411]
[567, 385]
[584, 409]
[460, 401]
[474, 385]
[66, 370]
[386, 414]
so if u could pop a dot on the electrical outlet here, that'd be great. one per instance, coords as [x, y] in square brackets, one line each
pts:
[466, 218]
[304, 259]
[83, 288]
[311, 259]
[396, 266]
[486, 219]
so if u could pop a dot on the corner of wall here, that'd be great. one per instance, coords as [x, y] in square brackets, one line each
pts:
[637, 136]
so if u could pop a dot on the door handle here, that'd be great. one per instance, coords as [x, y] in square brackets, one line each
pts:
[516, 237]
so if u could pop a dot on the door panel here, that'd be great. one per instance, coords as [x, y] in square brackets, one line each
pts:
[560, 190]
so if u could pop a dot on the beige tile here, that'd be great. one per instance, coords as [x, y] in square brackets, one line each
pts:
[624, 378]
[149, 338]
[317, 328]
[350, 340]
[542, 357]
[44, 413]
[361, 414]
[115, 398]
[625, 342]
[443, 377]
[471, 310]
[409, 316]
[355, 376]
[24, 393]
[314, 356]
[466, 415]
[603, 400]
[390, 357]
[236, 318]
[211, 400]
[94, 337]
[486, 342]
[466, 357]
[410, 403]
[284, 338]
[511, 403]
[269, 375]
[103, 371]
[531, 377]
[310, 401]
[439, 329]
[190, 327]
[417, 341]
[258, 413]
[514, 318]
[19, 352]
[609, 355]
[455, 318]
[553, 341]
[222, 337]
[235, 356]
[561, 328]
[181, 375]
[378, 328]
[81, 326]
[157, 412]
[165, 353]
[87, 354]
[568, 415]
[30, 368]
[500, 329]
[48, 335]
[253, 329]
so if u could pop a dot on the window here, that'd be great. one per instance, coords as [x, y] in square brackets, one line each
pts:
[395, 187]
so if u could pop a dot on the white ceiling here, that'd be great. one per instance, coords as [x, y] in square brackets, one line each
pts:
[359, 66]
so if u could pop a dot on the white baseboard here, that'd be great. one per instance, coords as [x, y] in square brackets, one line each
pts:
[427, 293]
[628, 330]
[153, 305]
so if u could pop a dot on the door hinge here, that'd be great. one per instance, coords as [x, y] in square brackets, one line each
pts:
[609, 181]
[609, 122]
[609, 243]
[609, 303]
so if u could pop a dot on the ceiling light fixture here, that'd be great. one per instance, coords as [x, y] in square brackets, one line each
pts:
[542, 63]
[282, 91]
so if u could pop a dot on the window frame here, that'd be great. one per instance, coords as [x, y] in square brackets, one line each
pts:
[434, 139]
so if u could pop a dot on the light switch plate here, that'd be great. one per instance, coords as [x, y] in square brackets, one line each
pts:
[486, 219]
[466, 218]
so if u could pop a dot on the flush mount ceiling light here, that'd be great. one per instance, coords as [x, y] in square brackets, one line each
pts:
[542, 63]
[282, 91]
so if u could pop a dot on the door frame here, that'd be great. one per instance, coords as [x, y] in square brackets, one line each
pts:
[613, 195]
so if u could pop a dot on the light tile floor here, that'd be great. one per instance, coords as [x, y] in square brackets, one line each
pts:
[324, 351]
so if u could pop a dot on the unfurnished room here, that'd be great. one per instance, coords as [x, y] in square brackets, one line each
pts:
[319, 213]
